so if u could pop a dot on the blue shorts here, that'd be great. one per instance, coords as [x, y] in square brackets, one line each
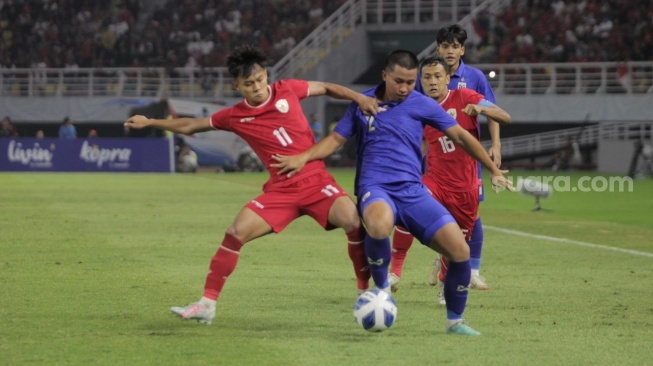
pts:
[413, 207]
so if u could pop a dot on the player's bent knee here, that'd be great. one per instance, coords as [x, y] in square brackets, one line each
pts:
[378, 231]
[458, 251]
[233, 232]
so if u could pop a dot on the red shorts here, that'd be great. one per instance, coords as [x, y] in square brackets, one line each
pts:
[312, 196]
[463, 206]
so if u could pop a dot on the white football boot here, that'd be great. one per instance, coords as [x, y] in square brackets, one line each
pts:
[197, 311]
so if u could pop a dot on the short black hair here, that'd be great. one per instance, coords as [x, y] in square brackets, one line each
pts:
[434, 60]
[243, 59]
[403, 58]
[451, 34]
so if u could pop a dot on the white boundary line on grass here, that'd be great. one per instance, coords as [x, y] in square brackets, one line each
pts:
[565, 240]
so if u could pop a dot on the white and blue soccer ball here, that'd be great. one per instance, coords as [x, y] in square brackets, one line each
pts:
[375, 310]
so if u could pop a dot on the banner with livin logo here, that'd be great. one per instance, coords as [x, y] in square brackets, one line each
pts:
[86, 155]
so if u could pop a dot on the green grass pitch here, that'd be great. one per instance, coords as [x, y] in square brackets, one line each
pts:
[90, 264]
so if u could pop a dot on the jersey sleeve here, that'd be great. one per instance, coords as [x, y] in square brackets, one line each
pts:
[345, 126]
[484, 87]
[220, 119]
[433, 115]
[298, 87]
[471, 97]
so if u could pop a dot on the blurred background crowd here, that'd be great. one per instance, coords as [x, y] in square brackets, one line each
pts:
[177, 33]
[200, 33]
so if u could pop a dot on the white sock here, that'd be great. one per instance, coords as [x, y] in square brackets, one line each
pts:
[452, 322]
[208, 302]
[476, 272]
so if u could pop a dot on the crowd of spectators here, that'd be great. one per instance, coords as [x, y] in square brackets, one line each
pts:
[177, 33]
[200, 33]
[530, 31]
[65, 33]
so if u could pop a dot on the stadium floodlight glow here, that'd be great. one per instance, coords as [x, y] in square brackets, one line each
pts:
[539, 190]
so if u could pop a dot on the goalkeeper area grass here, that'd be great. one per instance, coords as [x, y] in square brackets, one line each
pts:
[91, 263]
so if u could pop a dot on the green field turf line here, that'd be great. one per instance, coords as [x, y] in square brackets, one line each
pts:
[570, 241]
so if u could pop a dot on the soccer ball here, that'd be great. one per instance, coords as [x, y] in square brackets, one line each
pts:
[375, 310]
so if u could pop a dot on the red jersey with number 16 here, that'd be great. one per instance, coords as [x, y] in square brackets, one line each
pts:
[278, 126]
[446, 163]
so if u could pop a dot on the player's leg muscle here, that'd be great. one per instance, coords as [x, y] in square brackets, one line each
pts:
[248, 226]
[343, 214]
[450, 241]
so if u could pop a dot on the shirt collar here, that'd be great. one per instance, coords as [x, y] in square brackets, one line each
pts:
[380, 89]
[460, 70]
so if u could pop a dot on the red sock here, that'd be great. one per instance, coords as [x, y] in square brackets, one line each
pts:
[402, 240]
[356, 251]
[443, 268]
[223, 263]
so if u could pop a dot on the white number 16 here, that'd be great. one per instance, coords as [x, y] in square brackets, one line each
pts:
[447, 145]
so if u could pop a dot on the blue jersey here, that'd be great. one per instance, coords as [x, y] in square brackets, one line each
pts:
[388, 144]
[471, 78]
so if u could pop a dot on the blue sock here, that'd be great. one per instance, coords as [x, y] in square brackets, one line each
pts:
[476, 245]
[456, 287]
[378, 252]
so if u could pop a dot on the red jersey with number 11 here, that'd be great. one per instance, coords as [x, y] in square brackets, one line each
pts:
[446, 163]
[278, 126]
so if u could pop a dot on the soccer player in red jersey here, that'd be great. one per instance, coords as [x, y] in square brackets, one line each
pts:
[451, 175]
[271, 120]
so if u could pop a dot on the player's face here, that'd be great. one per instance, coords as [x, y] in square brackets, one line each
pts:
[451, 52]
[254, 87]
[434, 81]
[398, 83]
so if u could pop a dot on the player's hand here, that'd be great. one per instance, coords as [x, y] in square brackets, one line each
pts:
[500, 182]
[368, 105]
[472, 110]
[137, 122]
[289, 165]
[495, 154]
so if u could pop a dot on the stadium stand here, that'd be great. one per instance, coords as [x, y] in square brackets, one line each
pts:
[176, 48]
[565, 31]
[177, 33]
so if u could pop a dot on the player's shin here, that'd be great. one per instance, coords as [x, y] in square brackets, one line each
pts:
[402, 240]
[222, 265]
[356, 250]
[476, 246]
[378, 256]
[456, 288]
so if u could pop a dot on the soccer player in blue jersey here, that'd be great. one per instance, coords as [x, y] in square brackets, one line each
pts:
[451, 46]
[388, 181]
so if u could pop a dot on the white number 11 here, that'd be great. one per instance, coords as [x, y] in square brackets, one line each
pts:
[282, 136]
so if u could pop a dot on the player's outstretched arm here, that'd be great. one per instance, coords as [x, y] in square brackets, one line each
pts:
[368, 105]
[496, 115]
[186, 126]
[293, 164]
[495, 134]
[474, 148]
[494, 112]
